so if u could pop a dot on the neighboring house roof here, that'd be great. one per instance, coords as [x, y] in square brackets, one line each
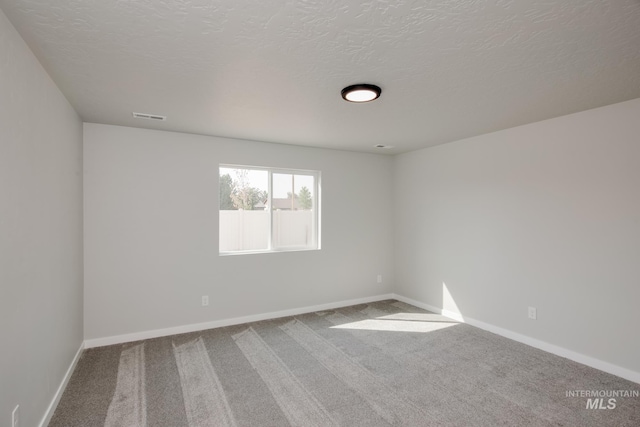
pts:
[283, 204]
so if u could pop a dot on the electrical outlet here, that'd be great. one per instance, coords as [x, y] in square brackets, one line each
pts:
[379, 278]
[15, 417]
[205, 300]
[533, 314]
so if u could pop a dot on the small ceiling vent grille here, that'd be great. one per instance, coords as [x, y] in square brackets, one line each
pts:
[149, 116]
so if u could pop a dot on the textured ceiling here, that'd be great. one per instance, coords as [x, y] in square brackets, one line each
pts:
[272, 70]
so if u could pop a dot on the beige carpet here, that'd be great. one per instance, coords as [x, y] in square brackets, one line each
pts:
[380, 364]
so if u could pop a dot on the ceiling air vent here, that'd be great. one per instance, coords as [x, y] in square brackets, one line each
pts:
[149, 116]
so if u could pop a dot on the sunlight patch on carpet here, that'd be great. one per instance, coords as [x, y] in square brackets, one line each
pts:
[388, 323]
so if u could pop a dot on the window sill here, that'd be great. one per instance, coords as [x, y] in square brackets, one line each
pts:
[267, 251]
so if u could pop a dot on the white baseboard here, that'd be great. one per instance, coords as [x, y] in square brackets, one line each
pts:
[65, 380]
[542, 345]
[550, 348]
[143, 335]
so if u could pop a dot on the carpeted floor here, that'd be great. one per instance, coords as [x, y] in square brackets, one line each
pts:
[381, 364]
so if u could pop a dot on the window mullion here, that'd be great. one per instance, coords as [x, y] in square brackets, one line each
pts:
[270, 209]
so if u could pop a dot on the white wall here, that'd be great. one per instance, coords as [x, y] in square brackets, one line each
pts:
[40, 232]
[544, 215]
[151, 232]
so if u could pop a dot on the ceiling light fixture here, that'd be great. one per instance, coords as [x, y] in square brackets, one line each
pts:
[361, 92]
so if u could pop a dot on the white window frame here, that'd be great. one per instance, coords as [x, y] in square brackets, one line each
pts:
[315, 210]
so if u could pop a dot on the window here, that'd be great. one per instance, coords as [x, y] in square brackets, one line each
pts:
[267, 209]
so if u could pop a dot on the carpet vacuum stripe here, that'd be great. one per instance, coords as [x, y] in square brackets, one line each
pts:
[204, 399]
[299, 406]
[383, 399]
[128, 406]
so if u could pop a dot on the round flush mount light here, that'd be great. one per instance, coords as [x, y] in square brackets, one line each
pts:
[361, 92]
